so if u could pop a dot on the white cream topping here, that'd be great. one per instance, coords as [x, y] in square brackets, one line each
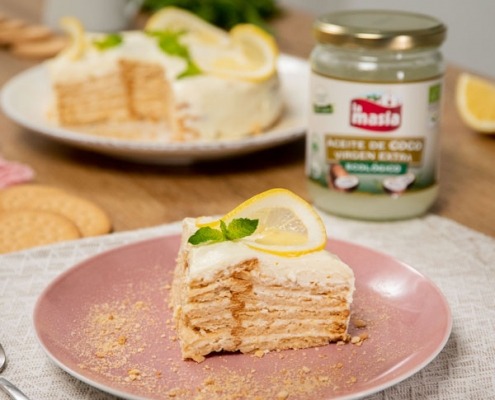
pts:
[320, 267]
[227, 108]
[136, 45]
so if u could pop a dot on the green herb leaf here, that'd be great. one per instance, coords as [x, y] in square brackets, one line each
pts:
[107, 42]
[241, 227]
[206, 234]
[169, 42]
[225, 231]
[191, 70]
[238, 228]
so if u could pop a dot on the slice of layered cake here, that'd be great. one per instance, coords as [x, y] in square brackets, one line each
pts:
[197, 81]
[259, 279]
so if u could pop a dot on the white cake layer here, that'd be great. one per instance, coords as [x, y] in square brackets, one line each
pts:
[320, 270]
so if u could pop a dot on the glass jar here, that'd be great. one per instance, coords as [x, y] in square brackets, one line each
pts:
[375, 90]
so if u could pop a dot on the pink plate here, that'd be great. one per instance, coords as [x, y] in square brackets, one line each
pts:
[107, 322]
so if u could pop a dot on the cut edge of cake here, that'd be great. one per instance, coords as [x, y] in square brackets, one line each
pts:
[253, 302]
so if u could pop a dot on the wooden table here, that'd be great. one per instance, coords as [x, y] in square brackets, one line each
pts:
[137, 195]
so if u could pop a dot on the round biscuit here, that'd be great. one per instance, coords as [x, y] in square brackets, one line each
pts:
[7, 24]
[28, 190]
[21, 230]
[89, 218]
[29, 33]
[39, 49]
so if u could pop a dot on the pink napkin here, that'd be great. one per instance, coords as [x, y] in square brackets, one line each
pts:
[12, 173]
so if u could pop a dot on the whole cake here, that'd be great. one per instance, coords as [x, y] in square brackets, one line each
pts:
[260, 281]
[198, 81]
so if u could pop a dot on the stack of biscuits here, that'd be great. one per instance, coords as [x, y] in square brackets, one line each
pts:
[28, 40]
[34, 215]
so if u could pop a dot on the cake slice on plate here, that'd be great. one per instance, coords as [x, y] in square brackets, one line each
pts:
[259, 279]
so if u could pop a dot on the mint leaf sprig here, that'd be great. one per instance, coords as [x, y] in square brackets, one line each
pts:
[238, 228]
[169, 42]
[108, 41]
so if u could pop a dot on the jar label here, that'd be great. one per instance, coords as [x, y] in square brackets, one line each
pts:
[373, 137]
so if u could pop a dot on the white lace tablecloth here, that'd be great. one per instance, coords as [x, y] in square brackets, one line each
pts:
[459, 260]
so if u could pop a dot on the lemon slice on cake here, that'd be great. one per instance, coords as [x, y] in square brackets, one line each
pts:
[247, 52]
[475, 98]
[287, 225]
[77, 40]
[251, 55]
[179, 20]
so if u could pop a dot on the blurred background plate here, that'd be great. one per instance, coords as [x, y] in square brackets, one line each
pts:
[26, 97]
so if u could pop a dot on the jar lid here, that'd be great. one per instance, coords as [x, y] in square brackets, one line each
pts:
[379, 29]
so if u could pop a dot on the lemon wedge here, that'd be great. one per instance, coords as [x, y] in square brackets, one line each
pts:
[287, 225]
[251, 55]
[77, 40]
[179, 20]
[475, 99]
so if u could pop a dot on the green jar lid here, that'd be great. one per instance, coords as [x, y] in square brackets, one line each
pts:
[379, 29]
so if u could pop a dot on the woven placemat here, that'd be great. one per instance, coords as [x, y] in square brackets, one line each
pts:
[459, 260]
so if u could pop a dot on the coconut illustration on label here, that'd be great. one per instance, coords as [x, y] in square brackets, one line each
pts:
[396, 185]
[341, 180]
[376, 112]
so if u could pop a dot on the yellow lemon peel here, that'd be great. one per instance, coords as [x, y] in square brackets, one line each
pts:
[180, 20]
[251, 55]
[288, 226]
[77, 44]
[475, 100]
[247, 52]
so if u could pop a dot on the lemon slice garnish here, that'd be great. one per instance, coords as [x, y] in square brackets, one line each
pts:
[251, 55]
[287, 225]
[475, 98]
[247, 52]
[195, 28]
[77, 40]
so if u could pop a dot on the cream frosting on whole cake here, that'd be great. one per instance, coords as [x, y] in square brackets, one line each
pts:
[228, 296]
[136, 80]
